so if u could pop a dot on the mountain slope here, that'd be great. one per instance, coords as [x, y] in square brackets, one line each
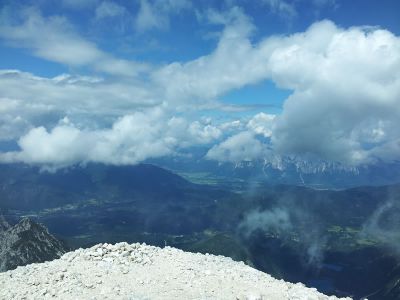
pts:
[280, 229]
[25, 187]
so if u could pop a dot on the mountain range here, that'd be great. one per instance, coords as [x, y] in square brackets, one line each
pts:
[290, 170]
[335, 240]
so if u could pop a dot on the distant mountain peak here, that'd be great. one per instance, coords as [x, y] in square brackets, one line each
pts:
[26, 224]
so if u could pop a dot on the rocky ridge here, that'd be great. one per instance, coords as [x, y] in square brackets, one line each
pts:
[27, 242]
[138, 271]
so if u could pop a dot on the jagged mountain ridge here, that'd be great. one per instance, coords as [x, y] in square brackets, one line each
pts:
[291, 170]
[27, 242]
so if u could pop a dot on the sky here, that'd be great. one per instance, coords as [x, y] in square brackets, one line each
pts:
[120, 82]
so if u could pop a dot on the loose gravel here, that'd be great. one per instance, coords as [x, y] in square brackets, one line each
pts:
[139, 271]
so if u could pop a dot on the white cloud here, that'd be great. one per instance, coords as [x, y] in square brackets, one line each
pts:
[204, 133]
[54, 39]
[27, 95]
[281, 7]
[109, 9]
[147, 18]
[233, 64]
[156, 14]
[262, 123]
[235, 126]
[131, 139]
[276, 219]
[345, 82]
[185, 133]
[240, 147]
[11, 126]
[348, 107]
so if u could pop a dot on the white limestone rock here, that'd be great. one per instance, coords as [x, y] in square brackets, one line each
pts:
[139, 271]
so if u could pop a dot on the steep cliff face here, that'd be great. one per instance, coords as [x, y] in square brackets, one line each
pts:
[27, 242]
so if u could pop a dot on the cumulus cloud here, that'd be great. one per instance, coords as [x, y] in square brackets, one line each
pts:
[185, 133]
[61, 43]
[126, 142]
[36, 101]
[244, 146]
[345, 84]
[232, 126]
[240, 147]
[262, 123]
[131, 139]
[347, 108]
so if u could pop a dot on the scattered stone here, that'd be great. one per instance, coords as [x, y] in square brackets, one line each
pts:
[138, 271]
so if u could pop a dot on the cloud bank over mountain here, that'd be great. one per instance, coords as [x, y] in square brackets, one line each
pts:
[344, 83]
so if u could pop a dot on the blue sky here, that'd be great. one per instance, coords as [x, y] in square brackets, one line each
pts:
[187, 36]
[148, 78]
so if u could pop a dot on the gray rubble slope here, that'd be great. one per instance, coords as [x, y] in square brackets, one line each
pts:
[136, 271]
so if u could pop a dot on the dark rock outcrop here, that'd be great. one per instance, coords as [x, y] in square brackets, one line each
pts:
[25, 243]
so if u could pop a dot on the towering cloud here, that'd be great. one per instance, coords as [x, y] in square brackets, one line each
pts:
[346, 90]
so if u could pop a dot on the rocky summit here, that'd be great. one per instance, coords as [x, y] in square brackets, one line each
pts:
[27, 242]
[138, 271]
